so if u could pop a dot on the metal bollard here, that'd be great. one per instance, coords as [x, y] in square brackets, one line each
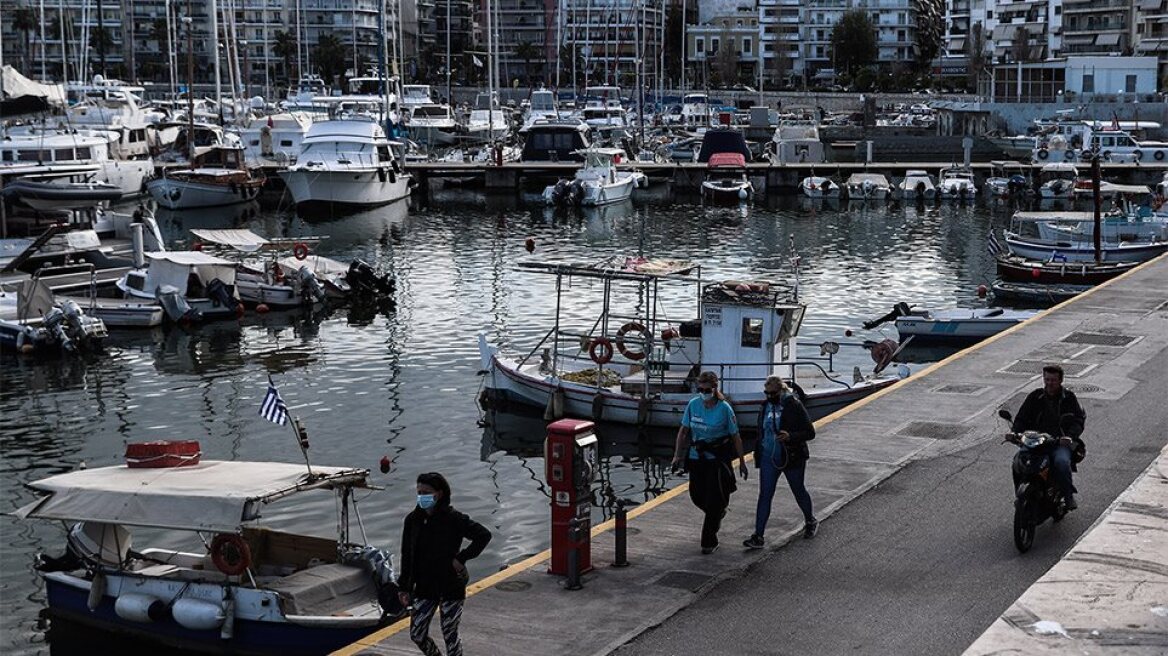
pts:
[622, 537]
[574, 582]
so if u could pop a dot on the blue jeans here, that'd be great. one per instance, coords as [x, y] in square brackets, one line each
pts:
[1060, 464]
[768, 480]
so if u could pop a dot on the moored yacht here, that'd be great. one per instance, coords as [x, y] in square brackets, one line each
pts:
[434, 125]
[55, 153]
[598, 182]
[346, 163]
[216, 177]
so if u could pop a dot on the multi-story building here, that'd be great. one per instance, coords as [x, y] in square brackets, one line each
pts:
[1029, 31]
[603, 36]
[723, 49]
[781, 22]
[1097, 26]
[1152, 33]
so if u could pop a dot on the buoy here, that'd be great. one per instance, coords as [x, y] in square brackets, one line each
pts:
[529, 244]
[262, 308]
[848, 332]
[1035, 272]
[239, 311]
[598, 407]
[384, 464]
[198, 246]
[981, 291]
[27, 348]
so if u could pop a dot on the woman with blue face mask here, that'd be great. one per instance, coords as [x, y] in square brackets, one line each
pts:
[710, 431]
[784, 429]
[433, 567]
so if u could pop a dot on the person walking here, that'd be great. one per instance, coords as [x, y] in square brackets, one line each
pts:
[433, 568]
[784, 429]
[710, 430]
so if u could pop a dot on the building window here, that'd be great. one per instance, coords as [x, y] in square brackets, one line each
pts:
[746, 46]
[713, 45]
[701, 45]
[989, 14]
[1129, 85]
[1089, 83]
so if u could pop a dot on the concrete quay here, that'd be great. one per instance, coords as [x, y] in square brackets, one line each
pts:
[1108, 595]
[912, 487]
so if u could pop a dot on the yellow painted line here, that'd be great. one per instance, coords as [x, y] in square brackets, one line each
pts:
[522, 566]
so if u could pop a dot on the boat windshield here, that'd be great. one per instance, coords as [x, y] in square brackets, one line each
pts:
[330, 147]
[431, 111]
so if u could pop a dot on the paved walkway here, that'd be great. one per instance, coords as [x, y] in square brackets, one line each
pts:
[1108, 595]
[942, 410]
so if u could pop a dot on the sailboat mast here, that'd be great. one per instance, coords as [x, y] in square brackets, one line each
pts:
[214, 55]
[381, 57]
[490, 74]
[189, 22]
[44, 59]
[448, 96]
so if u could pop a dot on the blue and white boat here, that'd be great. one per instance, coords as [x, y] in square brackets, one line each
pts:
[253, 590]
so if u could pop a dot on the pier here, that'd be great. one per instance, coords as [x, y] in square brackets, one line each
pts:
[913, 490]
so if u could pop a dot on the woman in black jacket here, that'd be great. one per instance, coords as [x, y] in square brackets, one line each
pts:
[433, 569]
[784, 429]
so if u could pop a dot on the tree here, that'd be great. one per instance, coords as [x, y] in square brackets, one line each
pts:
[330, 55]
[930, 31]
[527, 52]
[284, 47]
[24, 20]
[976, 54]
[853, 41]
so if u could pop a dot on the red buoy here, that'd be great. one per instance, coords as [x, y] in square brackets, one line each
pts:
[529, 244]
[982, 291]
[1035, 272]
[239, 311]
[262, 308]
[385, 462]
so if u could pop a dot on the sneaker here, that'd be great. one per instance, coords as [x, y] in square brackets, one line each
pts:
[810, 529]
[709, 550]
[1070, 503]
[754, 542]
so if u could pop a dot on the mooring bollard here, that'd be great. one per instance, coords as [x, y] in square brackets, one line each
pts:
[574, 583]
[622, 533]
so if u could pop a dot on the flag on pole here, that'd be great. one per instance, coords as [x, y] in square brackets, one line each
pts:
[1057, 257]
[992, 245]
[273, 408]
[477, 62]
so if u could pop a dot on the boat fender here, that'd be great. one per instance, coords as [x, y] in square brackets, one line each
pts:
[25, 340]
[1107, 155]
[1137, 154]
[96, 591]
[1087, 155]
[392, 177]
[230, 553]
[742, 194]
[598, 407]
[239, 310]
[1043, 154]
[227, 632]
[644, 407]
[1159, 156]
[601, 350]
[631, 327]
[137, 607]
[198, 615]
[300, 250]
[381, 175]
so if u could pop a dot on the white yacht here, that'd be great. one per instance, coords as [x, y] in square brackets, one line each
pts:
[543, 107]
[917, 185]
[65, 153]
[415, 95]
[347, 163]
[598, 182]
[957, 183]
[433, 125]
[487, 122]
[274, 140]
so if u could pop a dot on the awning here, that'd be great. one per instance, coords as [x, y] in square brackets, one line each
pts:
[216, 496]
[1107, 40]
[240, 240]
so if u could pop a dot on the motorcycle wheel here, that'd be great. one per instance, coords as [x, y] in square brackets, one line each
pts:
[1024, 526]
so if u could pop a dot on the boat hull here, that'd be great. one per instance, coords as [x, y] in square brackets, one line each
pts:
[281, 638]
[1081, 252]
[176, 194]
[953, 330]
[719, 192]
[359, 188]
[1060, 273]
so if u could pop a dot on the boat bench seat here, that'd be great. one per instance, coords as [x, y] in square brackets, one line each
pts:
[325, 590]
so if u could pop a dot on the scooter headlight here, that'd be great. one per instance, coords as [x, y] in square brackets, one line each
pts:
[1031, 439]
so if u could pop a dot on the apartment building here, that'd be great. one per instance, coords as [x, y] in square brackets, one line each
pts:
[723, 49]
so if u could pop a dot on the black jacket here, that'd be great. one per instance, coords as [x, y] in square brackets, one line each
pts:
[797, 423]
[1035, 415]
[430, 543]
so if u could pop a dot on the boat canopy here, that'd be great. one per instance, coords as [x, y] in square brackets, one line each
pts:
[722, 160]
[174, 268]
[723, 141]
[249, 242]
[874, 178]
[617, 267]
[214, 495]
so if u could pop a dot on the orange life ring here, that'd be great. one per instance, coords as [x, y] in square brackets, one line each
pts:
[300, 250]
[230, 554]
[601, 350]
[631, 327]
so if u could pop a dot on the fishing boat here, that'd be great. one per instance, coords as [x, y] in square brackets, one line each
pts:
[259, 277]
[1060, 237]
[32, 321]
[645, 371]
[1035, 293]
[726, 180]
[233, 585]
[1058, 180]
[1007, 179]
[598, 182]
[867, 186]
[1020, 269]
[190, 286]
[955, 326]
[217, 177]
[917, 185]
[957, 183]
[819, 187]
[346, 163]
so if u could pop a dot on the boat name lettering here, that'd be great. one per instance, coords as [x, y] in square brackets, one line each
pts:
[712, 316]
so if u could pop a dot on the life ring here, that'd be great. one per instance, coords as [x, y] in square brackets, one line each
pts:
[1107, 155]
[631, 327]
[1087, 155]
[230, 554]
[601, 350]
[1159, 156]
[300, 250]
[1043, 154]
[1137, 154]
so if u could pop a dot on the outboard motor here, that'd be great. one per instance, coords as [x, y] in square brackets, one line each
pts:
[220, 293]
[899, 310]
[175, 305]
[363, 279]
[56, 323]
[560, 192]
[310, 287]
[867, 187]
[575, 192]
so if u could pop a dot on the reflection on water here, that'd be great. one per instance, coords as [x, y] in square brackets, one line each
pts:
[402, 381]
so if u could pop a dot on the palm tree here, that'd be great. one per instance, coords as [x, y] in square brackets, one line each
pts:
[24, 20]
[285, 48]
[527, 52]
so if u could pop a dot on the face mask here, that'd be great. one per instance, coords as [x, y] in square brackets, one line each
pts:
[706, 396]
[426, 501]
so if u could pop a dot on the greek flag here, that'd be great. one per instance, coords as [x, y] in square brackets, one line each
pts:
[992, 245]
[1057, 257]
[273, 408]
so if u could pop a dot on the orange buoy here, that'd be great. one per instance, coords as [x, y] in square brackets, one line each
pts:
[262, 308]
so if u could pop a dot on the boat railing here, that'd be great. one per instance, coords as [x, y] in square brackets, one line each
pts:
[794, 365]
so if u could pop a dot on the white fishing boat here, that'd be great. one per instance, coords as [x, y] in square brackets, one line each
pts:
[955, 326]
[815, 186]
[119, 313]
[1058, 180]
[917, 185]
[190, 286]
[598, 182]
[217, 177]
[867, 186]
[259, 277]
[957, 183]
[1008, 179]
[233, 584]
[645, 372]
[346, 163]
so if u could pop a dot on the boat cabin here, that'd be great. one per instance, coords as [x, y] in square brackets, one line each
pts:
[555, 141]
[1059, 171]
[219, 157]
[189, 272]
[723, 140]
[747, 329]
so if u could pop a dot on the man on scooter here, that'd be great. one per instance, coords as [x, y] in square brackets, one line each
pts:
[1055, 410]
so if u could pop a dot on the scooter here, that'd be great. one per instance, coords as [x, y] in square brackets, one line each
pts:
[1036, 497]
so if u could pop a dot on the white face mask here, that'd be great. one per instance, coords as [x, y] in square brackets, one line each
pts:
[707, 396]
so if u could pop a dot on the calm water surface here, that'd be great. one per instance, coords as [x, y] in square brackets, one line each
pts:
[404, 383]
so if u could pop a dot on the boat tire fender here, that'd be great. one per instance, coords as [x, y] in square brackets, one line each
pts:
[300, 250]
[631, 327]
[1087, 155]
[1137, 154]
[1159, 156]
[1043, 154]
[230, 554]
[1106, 155]
[600, 350]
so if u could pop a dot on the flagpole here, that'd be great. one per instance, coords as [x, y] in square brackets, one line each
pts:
[275, 410]
[302, 441]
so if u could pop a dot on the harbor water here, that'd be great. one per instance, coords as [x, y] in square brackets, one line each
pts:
[403, 382]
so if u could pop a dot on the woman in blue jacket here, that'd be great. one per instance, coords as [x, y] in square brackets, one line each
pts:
[784, 429]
